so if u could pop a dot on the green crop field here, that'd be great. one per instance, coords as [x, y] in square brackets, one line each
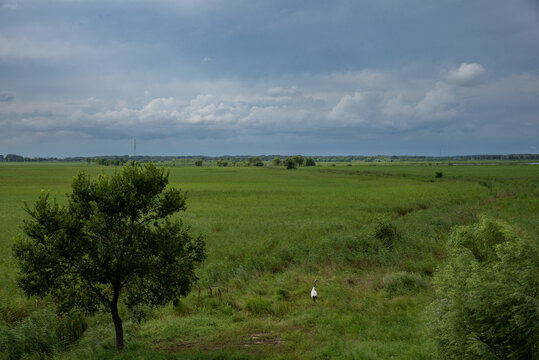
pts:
[269, 233]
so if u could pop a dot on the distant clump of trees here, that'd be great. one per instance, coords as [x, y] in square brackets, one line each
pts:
[222, 163]
[289, 163]
[255, 161]
[295, 161]
[487, 296]
[108, 162]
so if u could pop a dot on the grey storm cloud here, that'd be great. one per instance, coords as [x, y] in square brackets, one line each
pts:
[279, 110]
[6, 96]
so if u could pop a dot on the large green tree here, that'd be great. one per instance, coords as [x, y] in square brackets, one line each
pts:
[116, 239]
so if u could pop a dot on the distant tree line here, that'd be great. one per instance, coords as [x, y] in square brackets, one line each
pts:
[249, 160]
[107, 162]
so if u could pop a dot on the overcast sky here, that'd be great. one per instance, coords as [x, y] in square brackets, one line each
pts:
[215, 77]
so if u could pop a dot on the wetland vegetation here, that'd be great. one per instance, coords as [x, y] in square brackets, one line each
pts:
[375, 235]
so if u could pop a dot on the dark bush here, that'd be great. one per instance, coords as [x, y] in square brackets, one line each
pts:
[385, 231]
[255, 161]
[309, 162]
[298, 159]
[40, 335]
[289, 163]
[486, 299]
[276, 161]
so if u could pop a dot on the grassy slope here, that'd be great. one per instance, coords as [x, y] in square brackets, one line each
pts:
[270, 232]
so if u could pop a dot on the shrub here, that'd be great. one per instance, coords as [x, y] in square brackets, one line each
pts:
[198, 162]
[40, 335]
[486, 305]
[276, 161]
[289, 163]
[309, 162]
[222, 163]
[298, 159]
[385, 231]
[438, 174]
[255, 161]
[402, 283]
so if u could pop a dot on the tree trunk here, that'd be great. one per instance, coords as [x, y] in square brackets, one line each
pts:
[117, 322]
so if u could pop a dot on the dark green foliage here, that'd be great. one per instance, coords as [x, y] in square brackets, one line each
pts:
[198, 162]
[276, 161]
[487, 303]
[40, 335]
[385, 231]
[439, 174]
[309, 162]
[222, 163]
[109, 162]
[116, 236]
[403, 283]
[255, 161]
[298, 159]
[289, 163]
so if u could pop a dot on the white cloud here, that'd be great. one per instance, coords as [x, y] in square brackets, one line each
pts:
[325, 107]
[439, 103]
[466, 75]
[280, 92]
[207, 59]
[390, 111]
[358, 108]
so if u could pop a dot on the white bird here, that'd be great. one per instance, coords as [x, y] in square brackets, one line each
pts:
[314, 294]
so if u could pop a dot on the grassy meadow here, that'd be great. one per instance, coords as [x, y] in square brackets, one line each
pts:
[269, 233]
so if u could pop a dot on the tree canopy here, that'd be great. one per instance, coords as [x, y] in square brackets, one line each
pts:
[115, 239]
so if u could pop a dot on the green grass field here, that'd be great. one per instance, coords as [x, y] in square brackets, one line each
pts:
[270, 232]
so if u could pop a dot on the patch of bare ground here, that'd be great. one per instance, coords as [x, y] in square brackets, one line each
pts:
[262, 339]
[252, 341]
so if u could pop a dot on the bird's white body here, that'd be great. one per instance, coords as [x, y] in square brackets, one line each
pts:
[314, 294]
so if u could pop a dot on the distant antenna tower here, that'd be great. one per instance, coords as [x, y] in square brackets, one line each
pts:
[134, 147]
